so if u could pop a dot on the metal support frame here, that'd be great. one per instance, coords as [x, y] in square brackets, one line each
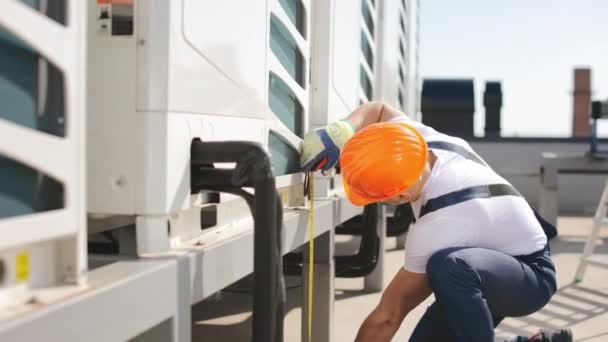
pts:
[123, 300]
[168, 284]
[323, 286]
[552, 165]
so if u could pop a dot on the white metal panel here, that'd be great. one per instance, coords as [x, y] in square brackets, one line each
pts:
[152, 25]
[119, 296]
[111, 122]
[164, 181]
[388, 66]
[390, 36]
[331, 37]
[413, 85]
[346, 51]
[35, 228]
[54, 242]
[221, 58]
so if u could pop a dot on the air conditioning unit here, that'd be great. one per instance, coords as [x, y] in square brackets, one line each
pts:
[398, 73]
[164, 73]
[42, 208]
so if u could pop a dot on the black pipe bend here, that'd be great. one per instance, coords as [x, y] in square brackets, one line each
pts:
[253, 169]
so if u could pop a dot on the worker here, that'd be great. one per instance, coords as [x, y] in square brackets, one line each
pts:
[477, 245]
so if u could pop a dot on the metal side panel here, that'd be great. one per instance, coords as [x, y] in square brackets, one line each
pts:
[123, 300]
[227, 68]
[388, 70]
[334, 85]
[215, 267]
[346, 210]
[345, 52]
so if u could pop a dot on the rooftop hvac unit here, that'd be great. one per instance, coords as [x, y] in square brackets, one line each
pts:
[164, 73]
[41, 152]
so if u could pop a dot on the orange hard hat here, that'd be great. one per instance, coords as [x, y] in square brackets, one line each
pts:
[381, 161]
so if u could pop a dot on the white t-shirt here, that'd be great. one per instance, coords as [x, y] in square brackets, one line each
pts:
[505, 223]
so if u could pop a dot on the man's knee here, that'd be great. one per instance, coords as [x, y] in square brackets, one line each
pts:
[448, 268]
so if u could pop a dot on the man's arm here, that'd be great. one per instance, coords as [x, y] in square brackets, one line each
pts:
[402, 295]
[372, 112]
[321, 148]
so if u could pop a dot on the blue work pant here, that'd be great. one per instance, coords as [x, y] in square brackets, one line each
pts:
[476, 288]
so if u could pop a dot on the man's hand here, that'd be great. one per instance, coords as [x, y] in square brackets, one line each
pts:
[321, 148]
[402, 295]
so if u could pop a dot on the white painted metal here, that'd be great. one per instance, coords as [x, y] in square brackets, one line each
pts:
[187, 72]
[389, 83]
[412, 105]
[323, 286]
[587, 257]
[210, 254]
[54, 241]
[335, 67]
[110, 309]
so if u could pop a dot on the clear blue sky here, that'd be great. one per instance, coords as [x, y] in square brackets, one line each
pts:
[531, 46]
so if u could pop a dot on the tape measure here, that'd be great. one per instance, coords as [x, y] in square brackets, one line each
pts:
[311, 248]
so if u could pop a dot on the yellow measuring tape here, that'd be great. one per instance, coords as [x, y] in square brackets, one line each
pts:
[311, 252]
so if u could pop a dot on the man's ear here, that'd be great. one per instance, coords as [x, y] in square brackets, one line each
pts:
[407, 196]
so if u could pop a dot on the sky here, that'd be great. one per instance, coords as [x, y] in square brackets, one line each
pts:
[531, 46]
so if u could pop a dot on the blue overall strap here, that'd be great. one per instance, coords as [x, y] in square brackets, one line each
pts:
[448, 146]
[466, 194]
[484, 191]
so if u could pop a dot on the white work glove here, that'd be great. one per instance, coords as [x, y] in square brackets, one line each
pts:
[320, 149]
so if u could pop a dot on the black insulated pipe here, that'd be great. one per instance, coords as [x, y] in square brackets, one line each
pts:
[350, 266]
[253, 170]
[365, 260]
